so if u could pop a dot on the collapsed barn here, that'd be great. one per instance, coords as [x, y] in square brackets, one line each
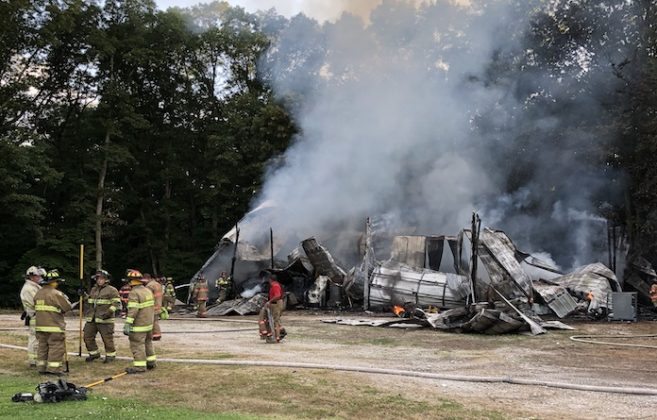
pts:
[475, 281]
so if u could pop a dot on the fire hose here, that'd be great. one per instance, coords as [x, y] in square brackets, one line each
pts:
[400, 372]
[591, 339]
[166, 332]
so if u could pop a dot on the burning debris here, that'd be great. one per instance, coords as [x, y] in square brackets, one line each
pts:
[476, 281]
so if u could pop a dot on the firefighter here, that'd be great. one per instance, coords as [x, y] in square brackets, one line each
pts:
[50, 306]
[201, 296]
[124, 293]
[33, 276]
[224, 284]
[102, 303]
[156, 288]
[169, 294]
[275, 305]
[139, 323]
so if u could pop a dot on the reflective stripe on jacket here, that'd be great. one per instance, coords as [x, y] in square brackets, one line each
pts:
[156, 288]
[102, 304]
[140, 309]
[50, 305]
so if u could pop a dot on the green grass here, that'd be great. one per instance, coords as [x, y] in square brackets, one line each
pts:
[174, 391]
[96, 406]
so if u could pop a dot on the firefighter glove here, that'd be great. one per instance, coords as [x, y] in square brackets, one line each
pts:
[164, 314]
[127, 329]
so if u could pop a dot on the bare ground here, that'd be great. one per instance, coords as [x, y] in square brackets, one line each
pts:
[550, 357]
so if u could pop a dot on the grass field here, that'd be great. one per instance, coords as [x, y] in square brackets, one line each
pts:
[174, 391]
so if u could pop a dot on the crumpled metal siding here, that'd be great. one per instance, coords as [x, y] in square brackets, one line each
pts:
[557, 298]
[497, 252]
[240, 306]
[594, 278]
[322, 261]
[409, 250]
[392, 283]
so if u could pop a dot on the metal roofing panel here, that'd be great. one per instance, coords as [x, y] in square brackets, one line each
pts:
[557, 298]
[409, 250]
[394, 283]
[593, 278]
[500, 249]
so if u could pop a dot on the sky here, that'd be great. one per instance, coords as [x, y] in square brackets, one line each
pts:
[318, 9]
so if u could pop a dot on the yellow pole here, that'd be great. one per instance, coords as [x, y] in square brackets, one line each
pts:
[80, 304]
[102, 381]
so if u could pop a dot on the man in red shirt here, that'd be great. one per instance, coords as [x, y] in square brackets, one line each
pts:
[275, 305]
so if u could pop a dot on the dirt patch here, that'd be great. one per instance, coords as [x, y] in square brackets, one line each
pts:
[551, 357]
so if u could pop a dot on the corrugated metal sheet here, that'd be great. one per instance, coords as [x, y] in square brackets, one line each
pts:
[497, 252]
[394, 283]
[418, 251]
[240, 306]
[486, 321]
[322, 261]
[557, 298]
[594, 278]
[409, 250]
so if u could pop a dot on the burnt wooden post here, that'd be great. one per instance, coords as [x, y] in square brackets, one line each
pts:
[271, 246]
[232, 263]
[474, 239]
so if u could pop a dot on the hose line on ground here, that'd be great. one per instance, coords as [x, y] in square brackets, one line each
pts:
[164, 331]
[398, 372]
[591, 339]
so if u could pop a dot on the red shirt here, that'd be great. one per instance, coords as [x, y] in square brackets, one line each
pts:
[275, 290]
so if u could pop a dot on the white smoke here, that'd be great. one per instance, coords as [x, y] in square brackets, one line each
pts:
[249, 293]
[385, 130]
[386, 109]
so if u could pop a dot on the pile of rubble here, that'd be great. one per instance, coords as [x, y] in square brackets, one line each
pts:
[476, 281]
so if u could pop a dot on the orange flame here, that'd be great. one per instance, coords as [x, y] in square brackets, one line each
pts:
[589, 296]
[398, 310]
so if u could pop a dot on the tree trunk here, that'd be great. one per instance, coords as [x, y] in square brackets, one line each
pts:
[167, 214]
[100, 197]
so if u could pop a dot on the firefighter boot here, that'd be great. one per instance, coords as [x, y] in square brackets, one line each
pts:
[109, 359]
[263, 329]
[150, 365]
[133, 370]
[92, 357]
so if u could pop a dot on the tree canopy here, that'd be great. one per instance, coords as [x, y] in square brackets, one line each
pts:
[146, 134]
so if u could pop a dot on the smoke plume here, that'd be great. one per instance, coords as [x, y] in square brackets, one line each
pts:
[409, 115]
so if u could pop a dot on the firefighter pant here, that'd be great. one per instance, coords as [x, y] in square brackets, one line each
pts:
[157, 332]
[106, 333]
[141, 346]
[51, 351]
[223, 294]
[32, 344]
[276, 311]
[168, 302]
[201, 308]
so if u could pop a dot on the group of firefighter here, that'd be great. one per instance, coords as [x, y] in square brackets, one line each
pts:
[142, 302]
[200, 296]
